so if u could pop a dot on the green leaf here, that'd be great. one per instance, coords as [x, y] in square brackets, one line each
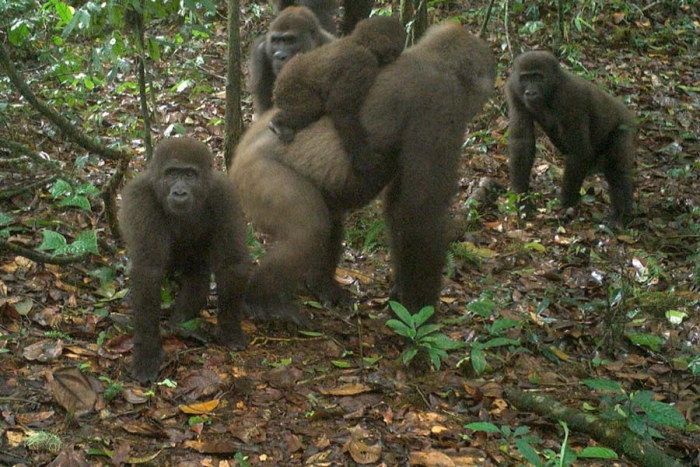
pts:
[52, 240]
[603, 385]
[482, 307]
[647, 340]
[401, 329]
[60, 188]
[5, 219]
[478, 360]
[486, 427]
[403, 314]
[502, 324]
[340, 364]
[423, 331]
[499, 342]
[87, 189]
[78, 201]
[663, 414]
[528, 452]
[408, 355]
[596, 452]
[441, 341]
[423, 315]
[435, 358]
[86, 242]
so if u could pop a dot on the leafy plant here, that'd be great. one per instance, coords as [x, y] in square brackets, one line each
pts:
[69, 195]
[422, 336]
[638, 410]
[86, 242]
[524, 442]
[477, 354]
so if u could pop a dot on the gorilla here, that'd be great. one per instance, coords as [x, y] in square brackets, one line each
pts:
[182, 216]
[593, 129]
[334, 80]
[415, 116]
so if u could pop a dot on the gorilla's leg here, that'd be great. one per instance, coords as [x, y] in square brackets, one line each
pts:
[321, 281]
[293, 211]
[617, 168]
[416, 220]
[192, 298]
[231, 279]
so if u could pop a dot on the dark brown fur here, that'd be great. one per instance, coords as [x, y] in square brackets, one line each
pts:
[325, 10]
[180, 215]
[333, 80]
[295, 30]
[415, 116]
[593, 129]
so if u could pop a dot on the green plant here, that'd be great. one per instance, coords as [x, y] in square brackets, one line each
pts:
[638, 410]
[44, 441]
[477, 354]
[422, 336]
[524, 442]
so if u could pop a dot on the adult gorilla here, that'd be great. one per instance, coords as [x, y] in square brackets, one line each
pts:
[415, 116]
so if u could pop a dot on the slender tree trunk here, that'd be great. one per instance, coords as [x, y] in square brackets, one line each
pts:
[414, 17]
[234, 118]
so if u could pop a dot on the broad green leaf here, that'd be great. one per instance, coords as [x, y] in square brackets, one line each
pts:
[662, 414]
[486, 427]
[596, 452]
[603, 385]
[401, 311]
[86, 242]
[499, 342]
[528, 452]
[478, 360]
[340, 364]
[647, 340]
[5, 219]
[408, 355]
[434, 359]
[673, 316]
[401, 329]
[535, 246]
[502, 324]
[441, 341]
[87, 189]
[482, 307]
[423, 315]
[427, 329]
[78, 201]
[52, 240]
[60, 188]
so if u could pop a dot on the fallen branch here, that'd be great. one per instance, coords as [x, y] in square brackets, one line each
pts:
[70, 130]
[612, 434]
[42, 257]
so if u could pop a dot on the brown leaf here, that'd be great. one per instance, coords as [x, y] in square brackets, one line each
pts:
[346, 390]
[199, 409]
[214, 447]
[73, 390]
[362, 453]
[430, 459]
[43, 351]
[70, 458]
[201, 383]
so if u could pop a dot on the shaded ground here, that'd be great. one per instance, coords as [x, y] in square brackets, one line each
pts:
[577, 300]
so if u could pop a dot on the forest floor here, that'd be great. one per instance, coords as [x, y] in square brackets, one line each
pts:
[540, 306]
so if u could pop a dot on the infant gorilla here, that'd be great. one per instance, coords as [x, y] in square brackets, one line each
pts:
[333, 80]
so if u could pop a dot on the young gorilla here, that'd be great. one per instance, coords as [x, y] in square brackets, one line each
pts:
[593, 129]
[334, 80]
[295, 30]
[182, 216]
[415, 116]
[325, 10]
